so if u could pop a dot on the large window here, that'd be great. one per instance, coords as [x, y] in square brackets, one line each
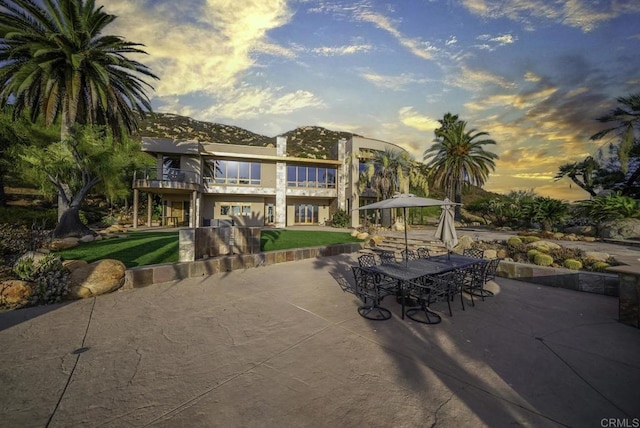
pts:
[311, 176]
[234, 172]
[171, 167]
[306, 213]
[235, 208]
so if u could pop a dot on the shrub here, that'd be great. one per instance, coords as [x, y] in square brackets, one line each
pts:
[573, 264]
[17, 240]
[600, 266]
[50, 278]
[542, 259]
[532, 253]
[340, 219]
[513, 241]
[23, 216]
[610, 207]
[564, 253]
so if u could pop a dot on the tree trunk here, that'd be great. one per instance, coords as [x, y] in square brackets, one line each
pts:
[70, 225]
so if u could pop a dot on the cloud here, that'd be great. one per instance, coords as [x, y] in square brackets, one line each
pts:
[476, 79]
[342, 50]
[209, 49]
[583, 14]
[411, 118]
[395, 83]
[416, 46]
[492, 42]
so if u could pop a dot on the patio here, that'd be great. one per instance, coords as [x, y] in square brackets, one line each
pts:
[282, 345]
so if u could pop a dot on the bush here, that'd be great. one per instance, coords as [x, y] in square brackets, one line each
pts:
[22, 216]
[531, 254]
[573, 264]
[50, 278]
[542, 259]
[513, 241]
[17, 240]
[564, 253]
[340, 219]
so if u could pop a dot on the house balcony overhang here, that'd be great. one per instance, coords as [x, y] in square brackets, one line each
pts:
[166, 186]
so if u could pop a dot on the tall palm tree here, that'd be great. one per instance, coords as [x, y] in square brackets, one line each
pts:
[626, 119]
[458, 158]
[56, 64]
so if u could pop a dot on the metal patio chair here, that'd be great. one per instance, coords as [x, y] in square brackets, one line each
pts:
[369, 291]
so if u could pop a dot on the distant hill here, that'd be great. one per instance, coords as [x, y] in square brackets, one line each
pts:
[307, 142]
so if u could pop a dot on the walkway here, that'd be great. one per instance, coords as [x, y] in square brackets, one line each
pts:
[282, 345]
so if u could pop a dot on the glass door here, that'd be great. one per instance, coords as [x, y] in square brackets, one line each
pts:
[306, 214]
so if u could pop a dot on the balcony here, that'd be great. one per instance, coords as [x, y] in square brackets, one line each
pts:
[152, 178]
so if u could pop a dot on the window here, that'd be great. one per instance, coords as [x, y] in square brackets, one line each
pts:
[318, 178]
[170, 167]
[234, 172]
[235, 208]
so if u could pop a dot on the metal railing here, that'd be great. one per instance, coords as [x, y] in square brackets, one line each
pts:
[167, 174]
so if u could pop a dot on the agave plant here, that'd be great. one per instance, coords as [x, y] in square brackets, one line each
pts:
[547, 211]
[610, 207]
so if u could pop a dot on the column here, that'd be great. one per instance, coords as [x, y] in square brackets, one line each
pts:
[135, 208]
[281, 183]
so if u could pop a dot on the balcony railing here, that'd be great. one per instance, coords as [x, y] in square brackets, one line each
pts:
[172, 175]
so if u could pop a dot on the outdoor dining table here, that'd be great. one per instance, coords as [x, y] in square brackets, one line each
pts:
[412, 270]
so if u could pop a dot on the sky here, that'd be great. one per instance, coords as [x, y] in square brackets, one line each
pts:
[534, 74]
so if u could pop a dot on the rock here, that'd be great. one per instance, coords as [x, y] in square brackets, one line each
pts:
[620, 229]
[15, 292]
[597, 256]
[581, 230]
[114, 228]
[362, 235]
[375, 240]
[87, 238]
[502, 253]
[464, 242]
[100, 277]
[490, 254]
[354, 233]
[398, 226]
[544, 245]
[571, 237]
[72, 265]
[589, 239]
[34, 255]
[63, 244]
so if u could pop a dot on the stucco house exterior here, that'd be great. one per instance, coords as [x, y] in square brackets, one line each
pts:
[208, 184]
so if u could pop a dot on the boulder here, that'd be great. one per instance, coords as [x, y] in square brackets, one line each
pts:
[620, 229]
[375, 240]
[34, 255]
[597, 256]
[398, 226]
[72, 265]
[63, 244]
[545, 245]
[490, 254]
[15, 292]
[100, 277]
[87, 238]
[464, 242]
[581, 230]
[362, 235]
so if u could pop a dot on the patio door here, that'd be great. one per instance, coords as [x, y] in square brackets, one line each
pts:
[306, 214]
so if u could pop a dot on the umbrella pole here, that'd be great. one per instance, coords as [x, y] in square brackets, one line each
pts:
[406, 241]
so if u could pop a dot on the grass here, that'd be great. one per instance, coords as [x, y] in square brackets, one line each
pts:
[149, 248]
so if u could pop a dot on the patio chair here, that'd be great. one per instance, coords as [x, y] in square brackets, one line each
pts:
[409, 255]
[387, 257]
[473, 252]
[430, 289]
[423, 253]
[367, 260]
[367, 289]
[487, 274]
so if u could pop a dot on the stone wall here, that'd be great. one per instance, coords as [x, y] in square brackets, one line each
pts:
[591, 282]
[203, 242]
[154, 274]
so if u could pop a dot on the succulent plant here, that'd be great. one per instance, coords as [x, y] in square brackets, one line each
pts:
[573, 264]
[542, 259]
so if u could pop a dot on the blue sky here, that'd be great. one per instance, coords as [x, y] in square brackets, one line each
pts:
[535, 74]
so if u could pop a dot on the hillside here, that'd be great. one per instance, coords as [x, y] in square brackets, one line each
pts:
[307, 142]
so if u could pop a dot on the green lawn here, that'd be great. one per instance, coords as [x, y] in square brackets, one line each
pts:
[148, 248]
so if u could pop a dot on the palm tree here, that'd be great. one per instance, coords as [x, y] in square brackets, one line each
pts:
[458, 158]
[581, 173]
[626, 119]
[390, 172]
[56, 64]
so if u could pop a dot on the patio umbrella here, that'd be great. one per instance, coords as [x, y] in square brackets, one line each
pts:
[404, 201]
[446, 230]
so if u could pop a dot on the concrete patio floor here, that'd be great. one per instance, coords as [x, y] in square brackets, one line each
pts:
[283, 345]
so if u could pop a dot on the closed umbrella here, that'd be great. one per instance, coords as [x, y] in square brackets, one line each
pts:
[404, 201]
[446, 230]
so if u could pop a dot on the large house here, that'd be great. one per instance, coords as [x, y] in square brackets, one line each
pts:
[208, 184]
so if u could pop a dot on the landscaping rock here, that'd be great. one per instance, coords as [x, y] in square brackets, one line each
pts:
[597, 256]
[375, 240]
[34, 255]
[464, 242]
[490, 254]
[620, 229]
[581, 230]
[545, 245]
[63, 244]
[72, 265]
[87, 238]
[398, 226]
[15, 292]
[362, 235]
[103, 276]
